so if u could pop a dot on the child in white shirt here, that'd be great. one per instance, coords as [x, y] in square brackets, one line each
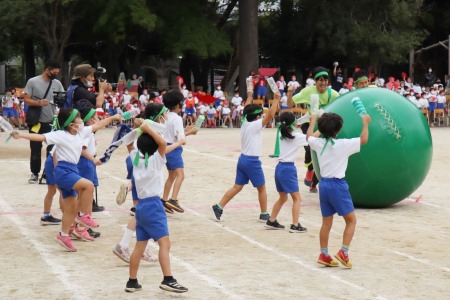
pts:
[334, 193]
[69, 142]
[286, 173]
[249, 167]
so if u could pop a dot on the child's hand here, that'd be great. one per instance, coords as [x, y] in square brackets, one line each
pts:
[15, 134]
[366, 119]
[291, 88]
[117, 118]
[138, 122]
[97, 162]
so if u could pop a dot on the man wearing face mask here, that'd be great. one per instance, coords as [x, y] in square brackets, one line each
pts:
[39, 98]
[83, 78]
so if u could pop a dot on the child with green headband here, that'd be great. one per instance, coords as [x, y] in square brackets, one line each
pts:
[286, 179]
[157, 113]
[335, 197]
[151, 220]
[249, 167]
[326, 96]
[69, 141]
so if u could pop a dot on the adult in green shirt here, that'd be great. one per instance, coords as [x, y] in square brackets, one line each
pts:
[326, 95]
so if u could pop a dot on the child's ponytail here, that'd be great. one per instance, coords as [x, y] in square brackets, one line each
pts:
[287, 121]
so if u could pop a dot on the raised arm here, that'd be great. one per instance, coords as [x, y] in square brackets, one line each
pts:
[29, 136]
[365, 130]
[310, 131]
[290, 92]
[103, 123]
[249, 98]
[273, 109]
[162, 144]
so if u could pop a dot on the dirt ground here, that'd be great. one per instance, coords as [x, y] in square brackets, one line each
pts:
[399, 252]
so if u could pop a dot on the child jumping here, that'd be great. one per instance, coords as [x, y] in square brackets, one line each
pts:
[334, 193]
[69, 142]
[249, 166]
[286, 173]
[151, 219]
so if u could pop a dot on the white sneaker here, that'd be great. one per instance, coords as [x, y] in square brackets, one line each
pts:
[122, 195]
[121, 253]
[149, 256]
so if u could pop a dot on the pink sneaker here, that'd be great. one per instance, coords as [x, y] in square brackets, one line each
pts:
[66, 242]
[71, 230]
[82, 234]
[149, 256]
[86, 221]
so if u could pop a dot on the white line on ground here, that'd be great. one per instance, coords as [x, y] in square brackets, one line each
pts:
[287, 256]
[423, 261]
[61, 272]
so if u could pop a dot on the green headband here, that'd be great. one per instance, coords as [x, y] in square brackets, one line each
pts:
[255, 112]
[136, 159]
[72, 117]
[89, 115]
[361, 79]
[159, 114]
[323, 73]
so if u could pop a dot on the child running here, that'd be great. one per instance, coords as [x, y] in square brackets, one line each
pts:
[69, 142]
[286, 173]
[249, 166]
[332, 155]
[151, 218]
[173, 100]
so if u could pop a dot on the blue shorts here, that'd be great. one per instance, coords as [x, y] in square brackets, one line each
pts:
[210, 116]
[95, 181]
[432, 106]
[174, 159]
[335, 197]
[86, 168]
[262, 90]
[66, 175]
[49, 168]
[9, 112]
[189, 111]
[151, 219]
[283, 107]
[249, 168]
[129, 164]
[440, 105]
[286, 179]
[224, 115]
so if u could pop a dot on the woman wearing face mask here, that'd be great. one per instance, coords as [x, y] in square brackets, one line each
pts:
[83, 78]
[69, 143]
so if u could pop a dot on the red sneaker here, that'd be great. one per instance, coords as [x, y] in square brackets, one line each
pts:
[340, 256]
[313, 189]
[309, 175]
[326, 261]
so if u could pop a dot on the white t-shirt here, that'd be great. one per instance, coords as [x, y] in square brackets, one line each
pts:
[69, 145]
[240, 109]
[334, 159]
[423, 103]
[289, 148]
[310, 82]
[236, 101]
[294, 83]
[89, 143]
[202, 109]
[284, 100]
[441, 99]
[210, 110]
[343, 91]
[144, 99]
[251, 138]
[126, 99]
[185, 93]
[226, 110]
[149, 181]
[218, 94]
[174, 128]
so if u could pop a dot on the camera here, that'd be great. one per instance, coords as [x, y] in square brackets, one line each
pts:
[59, 99]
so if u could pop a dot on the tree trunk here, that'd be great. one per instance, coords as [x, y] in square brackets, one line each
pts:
[248, 41]
[28, 59]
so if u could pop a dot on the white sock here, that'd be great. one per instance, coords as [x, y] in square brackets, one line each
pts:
[127, 235]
